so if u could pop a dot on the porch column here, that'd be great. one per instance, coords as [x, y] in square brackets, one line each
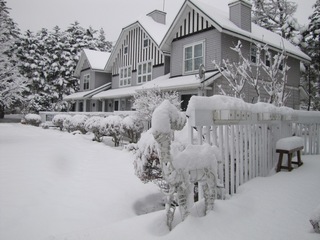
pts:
[77, 106]
[103, 105]
[84, 105]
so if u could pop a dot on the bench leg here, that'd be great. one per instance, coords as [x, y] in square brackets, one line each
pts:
[280, 162]
[299, 162]
[289, 161]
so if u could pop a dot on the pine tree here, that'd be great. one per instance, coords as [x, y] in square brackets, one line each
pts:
[12, 84]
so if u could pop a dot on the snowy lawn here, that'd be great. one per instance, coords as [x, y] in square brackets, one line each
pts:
[55, 185]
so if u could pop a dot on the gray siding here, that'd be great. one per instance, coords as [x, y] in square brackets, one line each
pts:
[212, 39]
[157, 71]
[101, 79]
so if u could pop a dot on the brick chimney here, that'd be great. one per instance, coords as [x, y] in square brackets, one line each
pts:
[240, 14]
[158, 16]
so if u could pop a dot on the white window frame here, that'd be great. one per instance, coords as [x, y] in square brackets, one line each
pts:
[86, 82]
[143, 77]
[125, 75]
[193, 70]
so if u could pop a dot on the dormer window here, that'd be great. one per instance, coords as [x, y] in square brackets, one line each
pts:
[86, 80]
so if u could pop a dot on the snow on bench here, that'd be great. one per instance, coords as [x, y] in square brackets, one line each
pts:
[289, 145]
[315, 219]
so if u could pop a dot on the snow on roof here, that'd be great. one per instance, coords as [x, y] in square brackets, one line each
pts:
[87, 94]
[222, 23]
[97, 59]
[116, 93]
[156, 30]
[257, 33]
[183, 82]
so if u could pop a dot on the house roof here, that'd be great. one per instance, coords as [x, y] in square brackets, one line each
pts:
[87, 94]
[97, 60]
[163, 82]
[181, 82]
[155, 30]
[220, 20]
[116, 93]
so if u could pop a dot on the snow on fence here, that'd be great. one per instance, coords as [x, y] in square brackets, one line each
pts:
[246, 134]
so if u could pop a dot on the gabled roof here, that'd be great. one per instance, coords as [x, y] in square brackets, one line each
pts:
[155, 30]
[97, 60]
[87, 94]
[222, 23]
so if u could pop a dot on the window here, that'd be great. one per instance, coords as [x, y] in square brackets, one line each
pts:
[125, 50]
[253, 54]
[144, 72]
[86, 80]
[193, 57]
[145, 42]
[268, 59]
[125, 76]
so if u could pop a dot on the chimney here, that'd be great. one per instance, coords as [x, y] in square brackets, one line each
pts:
[158, 16]
[240, 14]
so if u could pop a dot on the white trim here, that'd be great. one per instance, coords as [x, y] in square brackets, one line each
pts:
[184, 72]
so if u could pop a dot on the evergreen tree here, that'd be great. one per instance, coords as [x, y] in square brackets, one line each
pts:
[277, 16]
[311, 45]
[11, 82]
[49, 58]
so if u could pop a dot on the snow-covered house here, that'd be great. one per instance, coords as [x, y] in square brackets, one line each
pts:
[135, 60]
[93, 79]
[149, 53]
[200, 34]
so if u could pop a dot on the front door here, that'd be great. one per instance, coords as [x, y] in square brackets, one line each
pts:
[116, 105]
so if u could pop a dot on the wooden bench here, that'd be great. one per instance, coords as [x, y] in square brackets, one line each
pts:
[289, 146]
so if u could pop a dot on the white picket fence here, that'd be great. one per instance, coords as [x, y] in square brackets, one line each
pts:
[247, 139]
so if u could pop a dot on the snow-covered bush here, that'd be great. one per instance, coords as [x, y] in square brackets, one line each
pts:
[131, 128]
[146, 158]
[32, 119]
[94, 125]
[147, 100]
[111, 126]
[59, 119]
[75, 123]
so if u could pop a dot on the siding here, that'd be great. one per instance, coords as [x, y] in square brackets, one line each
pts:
[137, 53]
[212, 39]
[190, 23]
[101, 79]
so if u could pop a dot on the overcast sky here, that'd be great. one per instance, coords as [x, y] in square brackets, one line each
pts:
[111, 15]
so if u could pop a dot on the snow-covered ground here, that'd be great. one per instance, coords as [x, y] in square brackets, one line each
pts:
[55, 185]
